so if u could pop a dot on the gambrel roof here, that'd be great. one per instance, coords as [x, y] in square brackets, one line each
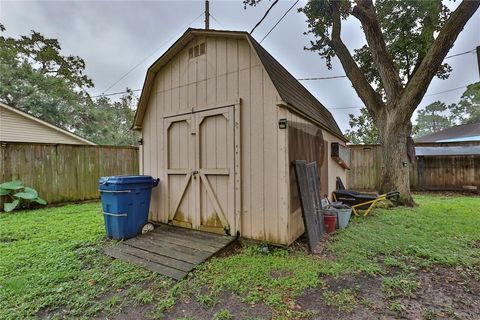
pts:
[293, 94]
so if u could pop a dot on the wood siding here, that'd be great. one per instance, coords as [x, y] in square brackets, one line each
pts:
[427, 173]
[62, 173]
[15, 127]
[230, 70]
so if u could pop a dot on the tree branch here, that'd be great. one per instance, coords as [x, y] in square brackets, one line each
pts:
[418, 85]
[372, 100]
[365, 12]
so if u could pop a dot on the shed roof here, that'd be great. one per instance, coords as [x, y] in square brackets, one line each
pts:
[291, 91]
[464, 132]
[46, 124]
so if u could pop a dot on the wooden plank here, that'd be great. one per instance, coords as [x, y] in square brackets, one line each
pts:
[283, 180]
[307, 193]
[188, 242]
[270, 160]
[148, 243]
[214, 201]
[154, 267]
[154, 258]
[183, 187]
[238, 172]
[257, 186]
[204, 239]
[244, 206]
[217, 239]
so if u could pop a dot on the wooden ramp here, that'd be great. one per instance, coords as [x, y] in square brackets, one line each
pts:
[171, 251]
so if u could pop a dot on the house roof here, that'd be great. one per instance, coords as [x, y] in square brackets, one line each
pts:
[47, 124]
[291, 91]
[464, 132]
[447, 151]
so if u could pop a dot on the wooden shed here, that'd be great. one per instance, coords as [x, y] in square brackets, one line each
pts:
[221, 121]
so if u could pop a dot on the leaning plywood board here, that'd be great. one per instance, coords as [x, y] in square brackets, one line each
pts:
[310, 202]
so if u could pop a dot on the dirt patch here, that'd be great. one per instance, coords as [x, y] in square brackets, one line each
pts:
[230, 250]
[443, 293]
[368, 298]
[189, 307]
[133, 312]
[59, 313]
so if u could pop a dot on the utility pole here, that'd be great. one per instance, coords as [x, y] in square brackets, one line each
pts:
[207, 15]
[478, 59]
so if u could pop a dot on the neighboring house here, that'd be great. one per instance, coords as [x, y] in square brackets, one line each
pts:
[449, 159]
[19, 126]
[221, 122]
[461, 133]
[454, 141]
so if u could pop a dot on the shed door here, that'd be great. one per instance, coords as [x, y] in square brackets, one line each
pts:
[201, 173]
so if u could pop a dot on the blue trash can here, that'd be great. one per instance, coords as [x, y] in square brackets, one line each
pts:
[125, 203]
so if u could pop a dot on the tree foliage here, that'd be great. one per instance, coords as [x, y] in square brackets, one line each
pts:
[108, 122]
[432, 118]
[38, 79]
[363, 130]
[467, 110]
[408, 29]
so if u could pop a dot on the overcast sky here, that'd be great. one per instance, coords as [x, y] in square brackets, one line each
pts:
[113, 37]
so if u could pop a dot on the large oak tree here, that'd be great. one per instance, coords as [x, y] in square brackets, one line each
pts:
[407, 42]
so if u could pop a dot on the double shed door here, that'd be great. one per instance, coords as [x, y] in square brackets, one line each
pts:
[201, 149]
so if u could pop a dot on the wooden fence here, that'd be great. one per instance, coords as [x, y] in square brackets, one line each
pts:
[62, 173]
[446, 173]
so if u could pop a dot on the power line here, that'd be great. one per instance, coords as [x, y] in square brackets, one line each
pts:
[114, 94]
[300, 79]
[220, 24]
[336, 77]
[320, 78]
[445, 91]
[460, 54]
[143, 60]
[279, 20]
[343, 108]
[264, 16]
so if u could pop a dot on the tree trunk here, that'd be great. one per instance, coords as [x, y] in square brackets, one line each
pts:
[395, 164]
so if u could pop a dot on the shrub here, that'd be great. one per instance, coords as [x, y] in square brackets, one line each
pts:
[20, 196]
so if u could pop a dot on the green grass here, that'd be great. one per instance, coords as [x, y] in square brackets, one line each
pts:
[223, 314]
[344, 300]
[51, 259]
[441, 230]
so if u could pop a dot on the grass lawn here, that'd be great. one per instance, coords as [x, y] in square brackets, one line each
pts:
[421, 262]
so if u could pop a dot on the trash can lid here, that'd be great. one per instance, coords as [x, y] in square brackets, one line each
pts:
[127, 179]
